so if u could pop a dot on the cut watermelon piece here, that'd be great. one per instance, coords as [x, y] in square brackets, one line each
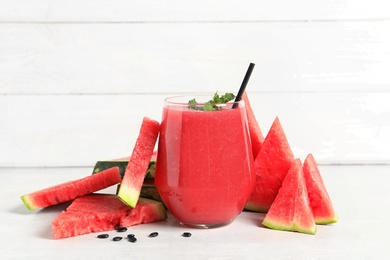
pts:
[106, 164]
[104, 212]
[149, 191]
[320, 202]
[130, 187]
[122, 164]
[255, 202]
[271, 166]
[291, 210]
[255, 133]
[70, 190]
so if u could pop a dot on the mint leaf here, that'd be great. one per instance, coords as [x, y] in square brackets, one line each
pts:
[208, 106]
[211, 105]
[227, 97]
[216, 98]
[192, 104]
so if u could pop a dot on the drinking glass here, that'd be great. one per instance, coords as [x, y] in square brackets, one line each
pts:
[204, 171]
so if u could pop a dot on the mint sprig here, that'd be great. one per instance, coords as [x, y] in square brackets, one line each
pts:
[212, 104]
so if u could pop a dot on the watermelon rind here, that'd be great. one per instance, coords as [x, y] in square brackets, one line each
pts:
[102, 165]
[291, 211]
[150, 172]
[294, 227]
[320, 202]
[122, 164]
[27, 202]
[131, 184]
[149, 191]
[72, 189]
[129, 195]
[254, 202]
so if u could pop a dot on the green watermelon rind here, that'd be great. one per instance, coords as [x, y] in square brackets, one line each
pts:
[292, 227]
[122, 164]
[150, 191]
[27, 202]
[102, 165]
[150, 172]
[128, 195]
[251, 206]
[326, 221]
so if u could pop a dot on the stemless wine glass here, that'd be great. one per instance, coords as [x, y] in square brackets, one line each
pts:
[204, 171]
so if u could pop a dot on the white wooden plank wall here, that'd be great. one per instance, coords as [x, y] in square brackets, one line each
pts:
[76, 77]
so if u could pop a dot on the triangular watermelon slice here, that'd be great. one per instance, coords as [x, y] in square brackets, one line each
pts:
[130, 188]
[320, 202]
[271, 166]
[291, 210]
[255, 133]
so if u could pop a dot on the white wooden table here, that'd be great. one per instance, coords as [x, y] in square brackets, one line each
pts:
[359, 193]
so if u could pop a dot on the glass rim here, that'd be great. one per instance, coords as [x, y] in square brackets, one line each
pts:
[181, 100]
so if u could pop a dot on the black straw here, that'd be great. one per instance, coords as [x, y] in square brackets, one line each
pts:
[243, 84]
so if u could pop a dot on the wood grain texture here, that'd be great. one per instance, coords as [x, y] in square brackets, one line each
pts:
[193, 11]
[171, 58]
[76, 78]
[78, 130]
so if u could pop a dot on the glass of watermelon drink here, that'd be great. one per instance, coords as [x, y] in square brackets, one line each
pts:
[204, 170]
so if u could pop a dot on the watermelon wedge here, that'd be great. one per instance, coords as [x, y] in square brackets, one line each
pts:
[255, 133]
[149, 191]
[130, 187]
[271, 165]
[291, 210]
[320, 202]
[104, 212]
[70, 190]
[122, 164]
[255, 202]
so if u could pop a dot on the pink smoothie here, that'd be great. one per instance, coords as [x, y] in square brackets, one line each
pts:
[204, 166]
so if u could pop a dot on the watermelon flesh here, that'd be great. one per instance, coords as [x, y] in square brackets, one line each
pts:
[70, 190]
[255, 133]
[104, 212]
[271, 165]
[320, 201]
[291, 209]
[130, 187]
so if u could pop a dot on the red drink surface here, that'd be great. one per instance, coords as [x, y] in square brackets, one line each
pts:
[204, 171]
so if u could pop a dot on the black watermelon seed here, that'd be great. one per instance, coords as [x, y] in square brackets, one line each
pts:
[122, 229]
[102, 236]
[130, 235]
[132, 239]
[186, 234]
[153, 234]
[117, 239]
